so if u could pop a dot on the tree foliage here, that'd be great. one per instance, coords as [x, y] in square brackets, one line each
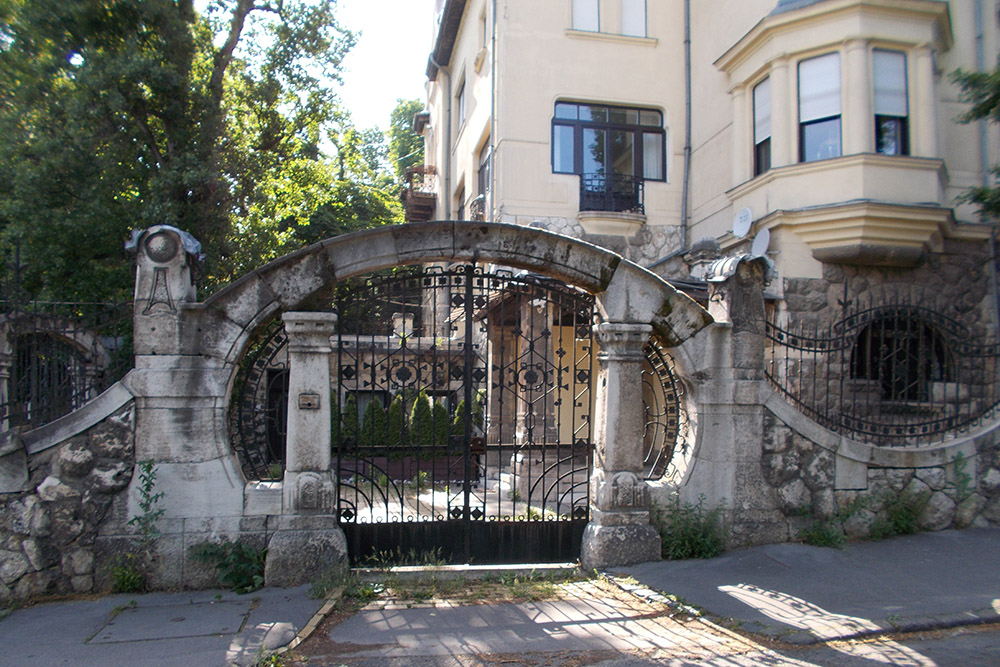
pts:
[406, 147]
[122, 114]
[982, 91]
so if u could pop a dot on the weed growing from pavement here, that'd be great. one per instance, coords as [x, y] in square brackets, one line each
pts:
[689, 530]
[240, 566]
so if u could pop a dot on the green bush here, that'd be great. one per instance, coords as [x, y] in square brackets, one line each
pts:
[126, 574]
[689, 531]
[349, 421]
[240, 566]
[395, 423]
[902, 515]
[439, 421]
[823, 534]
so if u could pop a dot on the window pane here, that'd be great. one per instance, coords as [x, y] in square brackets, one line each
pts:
[819, 87]
[890, 135]
[585, 16]
[652, 156]
[562, 149]
[821, 140]
[634, 17]
[564, 110]
[623, 116]
[762, 111]
[652, 118]
[593, 151]
[593, 113]
[623, 152]
[890, 83]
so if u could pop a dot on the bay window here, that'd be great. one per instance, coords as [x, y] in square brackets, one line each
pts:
[762, 127]
[891, 105]
[819, 108]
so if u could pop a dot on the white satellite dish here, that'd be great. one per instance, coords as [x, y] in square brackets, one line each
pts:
[742, 222]
[760, 243]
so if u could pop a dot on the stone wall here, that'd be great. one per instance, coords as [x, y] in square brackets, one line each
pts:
[953, 490]
[48, 533]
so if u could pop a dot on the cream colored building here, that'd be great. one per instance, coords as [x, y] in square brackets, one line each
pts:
[830, 123]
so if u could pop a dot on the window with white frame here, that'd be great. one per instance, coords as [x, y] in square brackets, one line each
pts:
[460, 103]
[762, 127]
[634, 18]
[819, 108]
[586, 15]
[891, 104]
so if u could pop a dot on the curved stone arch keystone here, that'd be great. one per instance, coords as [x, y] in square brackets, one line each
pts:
[625, 292]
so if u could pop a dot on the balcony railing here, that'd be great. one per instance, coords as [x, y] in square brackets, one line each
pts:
[617, 193]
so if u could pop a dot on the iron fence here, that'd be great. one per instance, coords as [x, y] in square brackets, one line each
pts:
[56, 356]
[893, 374]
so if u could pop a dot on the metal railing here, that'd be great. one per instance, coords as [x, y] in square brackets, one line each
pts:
[618, 193]
[56, 356]
[892, 375]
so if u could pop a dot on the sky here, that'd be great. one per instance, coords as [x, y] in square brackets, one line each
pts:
[389, 61]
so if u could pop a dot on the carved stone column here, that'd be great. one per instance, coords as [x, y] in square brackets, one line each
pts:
[619, 532]
[308, 541]
[309, 486]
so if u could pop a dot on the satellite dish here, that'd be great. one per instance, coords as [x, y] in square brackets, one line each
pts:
[742, 222]
[760, 243]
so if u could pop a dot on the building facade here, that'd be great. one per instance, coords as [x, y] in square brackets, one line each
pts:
[821, 134]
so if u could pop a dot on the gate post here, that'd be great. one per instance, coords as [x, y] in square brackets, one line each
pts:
[308, 540]
[619, 532]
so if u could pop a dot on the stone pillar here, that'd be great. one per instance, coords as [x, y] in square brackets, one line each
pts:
[619, 532]
[308, 486]
[859, 112]
[784, 116]
[163, 281]
[308, 541]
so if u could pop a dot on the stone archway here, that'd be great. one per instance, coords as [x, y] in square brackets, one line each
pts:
[187, 354]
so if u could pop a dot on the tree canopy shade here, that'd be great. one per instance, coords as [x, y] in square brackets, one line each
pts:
[982, 91]
[121, 114]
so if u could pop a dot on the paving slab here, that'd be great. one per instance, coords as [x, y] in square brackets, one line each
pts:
[808, 594]
[210, 628]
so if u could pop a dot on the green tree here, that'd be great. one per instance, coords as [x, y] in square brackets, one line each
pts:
[422, 421]
[440, 424]
[406, 147]
[373, 425]
[349, 421]
[982, 91]
[120, 115]
[396, 424]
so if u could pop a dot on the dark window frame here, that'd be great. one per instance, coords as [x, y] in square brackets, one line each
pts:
[805, 127]
[638, 130]
[762, 148]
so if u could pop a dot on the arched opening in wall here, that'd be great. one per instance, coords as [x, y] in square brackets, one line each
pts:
[461, 399]
[904, 354]
[665, 418]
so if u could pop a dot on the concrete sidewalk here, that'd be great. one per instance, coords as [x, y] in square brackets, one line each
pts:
[798, 593]
[806, 594]
[210, 628]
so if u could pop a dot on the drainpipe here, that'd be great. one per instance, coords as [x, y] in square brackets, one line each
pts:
[447, 140]
[686, 183]
[685, 188]
[493, 112]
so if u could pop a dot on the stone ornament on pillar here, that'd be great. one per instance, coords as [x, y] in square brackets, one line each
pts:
[619, 532]
[166, 259]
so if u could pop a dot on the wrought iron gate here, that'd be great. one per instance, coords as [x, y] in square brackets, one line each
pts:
[463, 400]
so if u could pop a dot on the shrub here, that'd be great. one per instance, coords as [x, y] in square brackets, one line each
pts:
[126, 574]
[689, 531]
[349, 421]
[439, 428]
[902, 515]
[421, 421]
[373, 426]
[823, 534]
[240, 566]
[395, 423]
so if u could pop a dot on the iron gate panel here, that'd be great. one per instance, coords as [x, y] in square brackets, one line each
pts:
[463, 423]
